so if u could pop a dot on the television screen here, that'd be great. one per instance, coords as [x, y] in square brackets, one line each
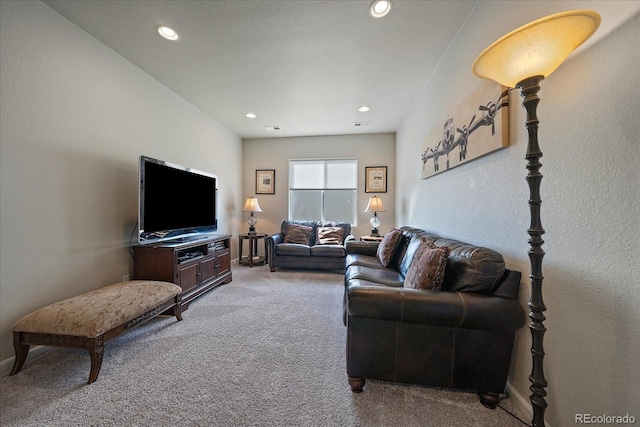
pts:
[175, 201]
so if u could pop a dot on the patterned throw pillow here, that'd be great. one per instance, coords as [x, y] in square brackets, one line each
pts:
[297, 233]
[388, 245]
[329, 236]
[427, 268]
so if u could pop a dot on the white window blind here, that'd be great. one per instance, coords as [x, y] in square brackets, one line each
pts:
[323, 190]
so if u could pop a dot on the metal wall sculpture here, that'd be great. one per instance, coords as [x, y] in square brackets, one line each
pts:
[486, 131]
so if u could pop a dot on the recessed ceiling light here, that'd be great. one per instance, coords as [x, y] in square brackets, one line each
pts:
[379, 8]
[167, 32]
[364, 109]
[250, 115]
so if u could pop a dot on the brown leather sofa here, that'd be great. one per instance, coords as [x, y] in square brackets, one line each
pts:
[311, 256]
[459, 337]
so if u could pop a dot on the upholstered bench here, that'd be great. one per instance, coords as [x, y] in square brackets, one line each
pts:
[90, 320]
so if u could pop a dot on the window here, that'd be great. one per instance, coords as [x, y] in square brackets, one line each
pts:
[323, 190]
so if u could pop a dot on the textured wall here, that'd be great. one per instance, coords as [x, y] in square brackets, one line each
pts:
[589, 135]
[75, 118]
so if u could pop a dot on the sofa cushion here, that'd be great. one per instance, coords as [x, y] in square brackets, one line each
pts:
[364, 260]
[329, 236]
[336, 251]
[412, 248]
[384, 276]
[471, 268]
[297, 233]
[427, 268]
[388, 246]
[293, 249]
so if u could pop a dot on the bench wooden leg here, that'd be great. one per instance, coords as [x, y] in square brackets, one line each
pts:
[177, 309]
[96, 351]
[22, 350]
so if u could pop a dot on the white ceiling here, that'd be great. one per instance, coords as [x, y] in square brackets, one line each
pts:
[305, 66]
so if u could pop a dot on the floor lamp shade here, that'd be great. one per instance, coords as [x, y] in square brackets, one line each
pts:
[536, 49]
[523, 58]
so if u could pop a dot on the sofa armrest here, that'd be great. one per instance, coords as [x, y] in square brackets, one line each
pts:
[363, 248]
[273, 241]
[349, 238]
[491, 313]
[435, 308]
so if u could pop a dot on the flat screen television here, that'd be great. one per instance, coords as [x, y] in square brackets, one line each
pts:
[175, 203]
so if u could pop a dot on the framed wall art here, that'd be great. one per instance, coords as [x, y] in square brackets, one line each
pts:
[375, 179]
[265, 181]
[478, 126]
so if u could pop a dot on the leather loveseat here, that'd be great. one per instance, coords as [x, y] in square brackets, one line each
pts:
[310, 245]
[460, 336]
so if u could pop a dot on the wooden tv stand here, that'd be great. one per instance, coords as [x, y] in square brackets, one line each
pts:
[196, 266]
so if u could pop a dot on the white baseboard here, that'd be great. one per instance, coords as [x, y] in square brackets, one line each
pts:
[524, 404]
[35, 351]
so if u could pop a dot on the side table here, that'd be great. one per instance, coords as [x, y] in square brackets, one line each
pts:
[252, 258]
[371, 238]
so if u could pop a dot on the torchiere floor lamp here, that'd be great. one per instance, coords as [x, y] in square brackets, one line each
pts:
[522, 59]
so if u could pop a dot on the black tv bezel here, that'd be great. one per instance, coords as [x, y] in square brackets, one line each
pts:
[173, 235]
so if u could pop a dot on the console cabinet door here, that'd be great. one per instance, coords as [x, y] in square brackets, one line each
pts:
[208, 269]
[188, 277]
[224, 262]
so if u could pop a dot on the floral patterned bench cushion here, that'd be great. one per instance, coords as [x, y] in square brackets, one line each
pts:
[96, 312]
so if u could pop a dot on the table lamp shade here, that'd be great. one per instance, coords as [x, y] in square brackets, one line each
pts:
[537, 48]
[375, 205]
[251, 205]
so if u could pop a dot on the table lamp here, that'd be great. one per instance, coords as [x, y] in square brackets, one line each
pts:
[375, 205]
[251, 205]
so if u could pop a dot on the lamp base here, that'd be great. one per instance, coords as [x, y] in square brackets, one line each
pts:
[252, 221]
[375, 232]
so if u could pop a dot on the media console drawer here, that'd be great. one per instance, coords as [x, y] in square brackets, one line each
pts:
[195, 266]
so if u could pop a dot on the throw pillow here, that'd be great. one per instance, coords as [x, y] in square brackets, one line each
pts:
[329, 236]
[297, 233]
[388, 245]
[427, 268]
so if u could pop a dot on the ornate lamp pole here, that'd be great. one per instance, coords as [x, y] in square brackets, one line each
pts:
[522, 59]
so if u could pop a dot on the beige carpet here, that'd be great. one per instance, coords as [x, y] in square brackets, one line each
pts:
[267, 349]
